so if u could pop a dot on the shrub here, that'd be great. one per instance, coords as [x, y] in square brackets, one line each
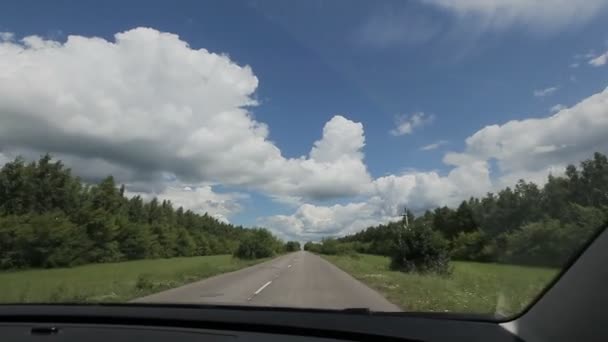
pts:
[545, 243]
[384, 247]
[144, 282]
[347, 248]
[329, 246]
[552, 242]
[421, 249]
[185, 244]
[312, 247]
[468, 246]
[259, 243]
[493, 250]
[361, 247]
[292, 246]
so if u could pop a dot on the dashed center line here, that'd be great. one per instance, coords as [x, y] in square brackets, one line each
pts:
[262, 288]
[259, 290]
[269, 282]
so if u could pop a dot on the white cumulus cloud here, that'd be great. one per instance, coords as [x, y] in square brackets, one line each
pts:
[6, 36]
[160, 115]
[405, 124]
[147, 106]
[600, 60]
[569, 135]
[387, 196]
[200, 199]
[556, 108]
[527, 149]
[311, 222]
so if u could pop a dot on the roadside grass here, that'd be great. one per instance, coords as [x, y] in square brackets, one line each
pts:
[112, 282]
[471, 288]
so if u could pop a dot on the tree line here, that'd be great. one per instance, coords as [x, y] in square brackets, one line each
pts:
[50, 218]
[525, 224]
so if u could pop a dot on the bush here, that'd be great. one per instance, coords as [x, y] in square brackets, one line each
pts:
[312, 247]
[46, 240]
[545, 243]
[552, 242]
[144, 282]
[384, 247]
[468, 246]
[421, 250]
[346, 248]
[329, 246]
[259, 243]
[292, 246]
[493, 250]
[185, 244]
[361, 247]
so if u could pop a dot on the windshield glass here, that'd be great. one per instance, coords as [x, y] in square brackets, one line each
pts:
[417, 156]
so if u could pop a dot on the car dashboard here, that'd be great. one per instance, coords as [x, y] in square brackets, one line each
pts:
[153, 323]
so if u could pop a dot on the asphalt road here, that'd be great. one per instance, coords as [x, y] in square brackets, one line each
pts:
[299, 279]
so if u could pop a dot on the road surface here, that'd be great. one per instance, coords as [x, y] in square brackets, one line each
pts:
[299, 279]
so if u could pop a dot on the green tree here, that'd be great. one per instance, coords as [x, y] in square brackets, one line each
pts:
[468, 246]
[102, 231]
[445, 222]
[202, 243]
[136, 211]
[46, 240]
[185, 244]
[259, 243]
[464, 220]
[16, 188]
[292, 246]
[421, 249]
[106, 197]
[43, 199]
[330, 246]
[136, 241]
[541, 243]
[167, 240]
[312, 247]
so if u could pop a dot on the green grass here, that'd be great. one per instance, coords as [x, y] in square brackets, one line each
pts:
[471, 288]
[112, 282]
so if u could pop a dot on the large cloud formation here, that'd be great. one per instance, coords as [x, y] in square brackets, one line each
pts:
[527, 149]
[148, 107]
[173, 121]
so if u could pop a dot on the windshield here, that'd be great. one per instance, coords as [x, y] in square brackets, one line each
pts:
[402, 156]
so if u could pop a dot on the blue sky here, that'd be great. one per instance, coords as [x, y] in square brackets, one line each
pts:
[375, 63]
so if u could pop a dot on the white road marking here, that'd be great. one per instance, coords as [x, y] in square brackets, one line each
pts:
[259, 290]
[262, 288]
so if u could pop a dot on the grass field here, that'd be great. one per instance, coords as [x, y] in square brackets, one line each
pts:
[471, 288]
[112, 282]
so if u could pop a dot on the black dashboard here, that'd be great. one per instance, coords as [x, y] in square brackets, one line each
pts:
[94, 323]
[124, 333]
